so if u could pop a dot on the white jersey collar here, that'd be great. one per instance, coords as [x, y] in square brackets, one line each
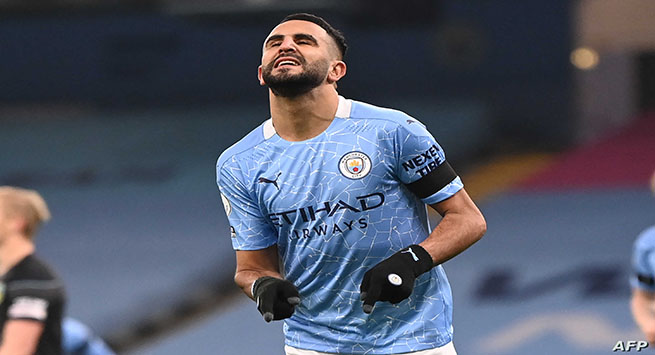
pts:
[269, 130]
[343, 111]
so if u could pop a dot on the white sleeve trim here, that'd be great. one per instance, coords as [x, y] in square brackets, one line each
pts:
[28, 307]
[449, 190]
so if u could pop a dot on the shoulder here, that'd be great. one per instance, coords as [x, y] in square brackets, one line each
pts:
[33, 267]
[389, 118]
[245, 145]
[363, 110]
[33, 275]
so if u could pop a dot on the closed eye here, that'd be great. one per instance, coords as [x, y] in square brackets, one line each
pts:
[271, 44]
[303, 38]
[273, 41]
[299, 38]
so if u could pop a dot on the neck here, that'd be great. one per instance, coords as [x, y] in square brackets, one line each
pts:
[306, 116]
[12, 250]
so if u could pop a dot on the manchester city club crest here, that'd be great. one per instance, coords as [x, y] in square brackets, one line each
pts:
[355, 165]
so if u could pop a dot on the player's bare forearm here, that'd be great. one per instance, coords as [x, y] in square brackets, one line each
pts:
[253, 264]
[462, 225]
[244, 279]
[21, 336]
[259, 277]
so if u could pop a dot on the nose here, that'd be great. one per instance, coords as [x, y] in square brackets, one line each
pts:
[287, 45]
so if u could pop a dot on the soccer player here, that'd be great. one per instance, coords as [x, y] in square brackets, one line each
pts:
[79, 339]
[32, 295]
[327, 208]
[643, 280]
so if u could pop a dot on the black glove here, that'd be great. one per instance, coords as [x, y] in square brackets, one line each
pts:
[392, 280]
[276, 298]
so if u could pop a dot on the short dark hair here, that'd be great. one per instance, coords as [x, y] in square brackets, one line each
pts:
[333, 32]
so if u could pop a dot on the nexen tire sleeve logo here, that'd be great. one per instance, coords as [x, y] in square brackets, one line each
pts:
[355, 165]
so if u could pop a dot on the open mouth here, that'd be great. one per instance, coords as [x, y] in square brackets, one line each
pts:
[286, 61]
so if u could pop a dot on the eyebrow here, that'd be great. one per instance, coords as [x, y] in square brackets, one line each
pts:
[297, 36]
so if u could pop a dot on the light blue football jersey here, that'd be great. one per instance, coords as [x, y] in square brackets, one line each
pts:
[336, 205]
[643, 261]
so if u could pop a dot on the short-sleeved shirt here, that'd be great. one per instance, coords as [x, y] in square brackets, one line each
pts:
[643, 261]
[32, 291]
[336, 205]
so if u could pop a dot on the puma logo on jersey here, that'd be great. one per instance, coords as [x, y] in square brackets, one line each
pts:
[409, 250]
[263, 180]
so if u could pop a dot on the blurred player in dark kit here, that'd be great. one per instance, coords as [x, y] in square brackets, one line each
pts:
[32, 295]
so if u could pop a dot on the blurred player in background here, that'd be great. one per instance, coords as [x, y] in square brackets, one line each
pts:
[79, 339]
[643, 279]
[337, 190]
[32, 295]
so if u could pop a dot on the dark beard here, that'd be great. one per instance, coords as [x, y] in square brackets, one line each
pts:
[290, 85]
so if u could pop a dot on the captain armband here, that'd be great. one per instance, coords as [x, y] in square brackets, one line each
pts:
[434, 181]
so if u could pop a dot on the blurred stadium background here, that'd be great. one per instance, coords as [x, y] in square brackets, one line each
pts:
[116, 111]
